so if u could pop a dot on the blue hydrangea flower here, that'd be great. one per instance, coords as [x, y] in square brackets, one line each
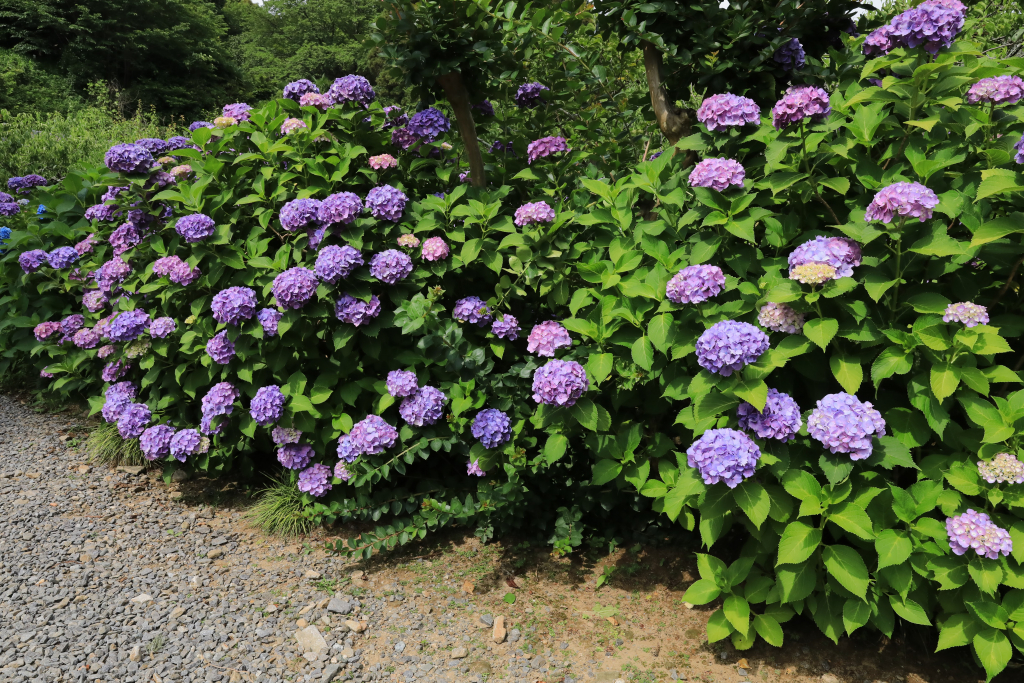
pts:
[315, 480]
[780, 418]
[492, 428]
[729, 345]
[724, 455]
[267, 405]
[559, 382]
[425, 407]
[844, 424]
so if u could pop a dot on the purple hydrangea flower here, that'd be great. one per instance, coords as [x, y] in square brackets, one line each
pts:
[434, 249]
[45, 330]
[791, 55]
[177, 142]
[780, 318]
[267, 405]
[31, 261]
[1002, 469]
[7, 199]
[393, 116]
[970, 314]
[315, 99]
[164, 265]
[127, 326]
[125, 158]
[472, 310]
[155, 442]
[133, 420]
[291, 125]
[188, 442]
[196, 125]
[879, 41]
[294, 287]
[315, 480]
[428, 125]
[118, 397]
[402, 383]
[484, 107]
[373, 435]
[269, 318]
[156, 146]
[535, 213]
[729, 345]
[341, 208]
[695, 284]
[425, 407]
[559, 382]
[300, 213]
[195, 227]
[780, 418]
[72, 324]
[296, 89]
[386, 202]
[239, 111]
[352, 88]
[841, 253]
[62, 257]
[349, 309]
[403, 138]
[101, 212]
[105, 351]
[295, 456]
[86, 338]
[718, 174]
[337, 263]
[724, 455]
[220, 348]
[23, 184]
[474, 468]
[162, 327]
[728, 110]
[977, 530]
[233, 305]
[1019, 147]
[124, 238]
[383, 161]
[316, 236]
[499, 146]
[545, 147]
[85, 246]
[529, 95]
[904, 199]
[996, 90]
[219, 400]
[348, 451]
[506, 328]
[390, 266]
[283, 435]
[844, 424]
[9, 209]
[492, 428]
[546, 337]
[801, 102]
[930, 25]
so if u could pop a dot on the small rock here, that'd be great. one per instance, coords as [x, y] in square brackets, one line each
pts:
[302, 623]
[330, 672]
[271, 608]
[32, 475]
[499, 632]
[131, 469]
[911, 678]
[177, 612]
[742, 663]
[339, 606]
[400, 647]
[467, 587]
[215, 553]
[459, 653]
[310, 640]
[514, 635]
[480, 667]
[831, 678]
[688, 605]
[358, 575]
[219, 541]
[142, 599]
[310, 656]
[487, 620]
[136, 654]
[179, 476]
[356, 626]
[312, 574]
[348, 652]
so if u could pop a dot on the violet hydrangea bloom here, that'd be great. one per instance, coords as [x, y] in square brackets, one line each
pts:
[996, 90]
[977, 531]
[911, 200]
[472, 309]
[86, 246]
[9, 208]
[127, 326]
[841, 253]
[118, 397]
[801, 102]
[529, 95]
[473, 467]
[294, 287]
[155, 442]
[931, 25]
[970, 314]
[341, 472]
[133, 420]
[429, 124]
[295, 456]
[296, 89]
[341, 207]
[1002, 469]
[434, 249]
[507, 327]
[559, 382]
[195, 227]
[727, 110]
[105, 351]
[780, 418]
[545, 147]
[372, 435]
[724, 455]
[46, 330]
[718, 174]
[401, 383]
[348, 451]
[780, 318]
[729, 345]
[291, 125]
[125, 158]
[196, 125]
[695, 284]
[72, 324]
[879, 41]
[390, 266]
[239, 111]
[300, 213]
[546, 337]
[425, 407]
[218, 401]
[188, 442]
[283, 435]
[484, 107]
[386, 202]
[233, 305]
[161, 327]
[101, 212]
[791, 55]
[269, 318]
[403, 138]
[86, 338]
[23, 184]
[315, 99]
[267, 405]
[492, 428]
[62, 257]
[94, 300]
[352, 88]
[394, 116]
[337, 263]
[534, 213]
[220, 348]
[1019, 150]
[844, 424]
[30, 261]
[349, 309]
[156, 146]
[315, 480]
[124, 238]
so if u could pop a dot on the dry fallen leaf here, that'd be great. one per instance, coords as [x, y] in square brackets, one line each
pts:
[467, 587]
[743, 664]
[613, 621]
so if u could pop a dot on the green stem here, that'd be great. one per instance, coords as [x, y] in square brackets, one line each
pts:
[899, 272]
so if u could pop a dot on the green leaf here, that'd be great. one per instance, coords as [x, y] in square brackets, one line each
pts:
[605, 470]
[956, 630]
[718, 627]
[928, 302]
[509, 599]
[599, 366]
[993, 650]
[997, 181]
[753, 500]
[643, 353]
[769, 629]
[821, 330]
[895, 453]
[754, 392]
[945, 378]
[797, 581]
[852, 518]
[737, 611]
[554, 447]
[659, 331]
[847, 566]
[701, 592]
[847, 371]
[855, 615]
[998, 228]
[909, 610]
[591, 416]
[893, 547]
[798, 543]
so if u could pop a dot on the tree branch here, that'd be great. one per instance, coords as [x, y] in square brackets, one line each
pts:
[458, 97]
[674, 123]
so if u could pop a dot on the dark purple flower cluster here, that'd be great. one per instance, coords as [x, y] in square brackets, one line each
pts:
[124, 238]
[403, 138]
[534, 213]
[352, 88]
[492, 428]
[879, 41]
[295, 456]
[394, 116]
[1019, 150]
[718, 174]
[695, 284]
[545, 147]
[315, 480]
[727, 110]
[187, 442]
[529, 95]
[269, 318]
[729, 345]
[195, 227]
[547, 337]
[32, 260]
[912, 200]
[932, 25]
[196, 125]
[425, 407]
[506, 327]
[155, 442]
[133, 420]
[62, 257]
[155, 146]
[434, 249]
[844, 424]
[340, 208]
[118, 397]
[484, 107]
[218, 401]
[841, 253]
[267, 405]
[390, 266]
[72, 324]
[337, 263]
[296, 89]
[560, 383]
[299, 213]
[294, 287]
[780, 418]
[125, 158]
[401, 383]
[177, 142]
[220, 348]
[801, 102]
[386, 202]
[791, 55]
[349, 309]
[724, 455]
[233, 305]
[127, 326]
[472, 309]
[101, 212]
[24, 184]
[428, 125]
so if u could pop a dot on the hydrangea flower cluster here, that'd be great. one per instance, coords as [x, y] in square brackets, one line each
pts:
[390, 266]
[282, 435]
[372, 435]
[156, 146]
[315, 480]
[233, 305]
[970, 314]
[506, 327]
[434, 249]
[492, 428]
[133, 420]
[239, 111]
[812, 273]
[996, 90]
[780, 418]
[425, 407]
[1019, 150]
[348, 452]
[408, 240]
[727, 110]
[879, 41]
[188, 442]
[718, 174]
[845, 424]
[394, 116]
[545, 147]
[382, 161]
[780, 318]
[695, 284]
[791, 55]
[219, 400]
[337, 263]
[24, 184]
[101, 212]
[62, 257]
[224, 122]
[402, 383]
[428, 125]
[303, 213]
[473, 468]
[162, 327]
[220, 348]
[295, 456]
[724, 455]
[127, 158]
[352, 88]
[472, 309]
[291, 125]
[294, 287]
[912, 200]
[931, 25]
[801, 102]
[86, 338]
[118, 397]
[559, 383]
[977, 531]
[195, 227]
[403, 138]
[546, 338]
[386, 202]
[341, 472]
[86, 246]
[296, 89]
[840, 253]
[32, 260]
[127, 326]
[1002, 469]
[196, 125]
[528, 96]
[729, 345]
[535, 213]
[315, 99]
[353, 311]
[155, 442]
[267, 405]
[46, 330]
[269, 318]
[124, 238]
[484, 107]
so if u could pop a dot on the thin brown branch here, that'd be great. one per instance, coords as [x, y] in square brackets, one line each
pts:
[458, 96]
[1009, 281]
[674, 123]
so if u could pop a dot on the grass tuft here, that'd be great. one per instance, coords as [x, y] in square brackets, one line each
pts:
[105, 446]
[279, 510]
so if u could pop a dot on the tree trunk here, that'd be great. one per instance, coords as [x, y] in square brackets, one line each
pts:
[458, 97]
[674, 123]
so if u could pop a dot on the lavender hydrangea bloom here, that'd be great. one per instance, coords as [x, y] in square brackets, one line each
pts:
[977, 530]
[560, 383]
[780, 318]
[105, 351]
[220, 348]
[86, 338]
[912, 200]
[296, 89]
[879, 41]
[506, 328]
[729, 345]
[45, 330]
[340, 208]
[386, 202]
[402, 383]
[156, 146]
[546, 337]
[529, 95]
[283, 435]
[316, 236]
[72, 324]
[970, 314]
[695, 284]
[101, 212]
[269, 318]
[300, 213]
[177, 142]
[434, 249]
[9, 209]
[780, 418]
[118, 397]
[1019, 148]
[534, 213]
[337, 263]
[162, 327]
[341, 472]
[930, 25]
[718, 174]
[239, 111]
[403, 138]
[474, 469]
[390, 266]
[428, 125]
[125, 158]
[86, 246]
[545, 147]
[233, 305]
[996, 90]
[349, 309]
[425, 407]
[1002, 469]
[219, 400]
[352, 88]
[841, 253]
[195, 227]
[724, 455]
[472, 310]
[348, 451]
[294, 287]
[124, 238]
[155, 442]
[844, 424]
[791, 55]
[800, 102]
[30, 261]
[127, 326]
[372, 435]
[187, 442]
[23, 184]
[295, 456]
[315, 99]
[291, 125]
[492, 428]
[267, 405]
[196, 125]
[133, 420]
[727, 110]
[62, 257]
[315, 480]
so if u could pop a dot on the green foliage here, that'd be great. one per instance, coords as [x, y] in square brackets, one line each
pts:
[106, 447]
[279, 510]
[26, 88]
